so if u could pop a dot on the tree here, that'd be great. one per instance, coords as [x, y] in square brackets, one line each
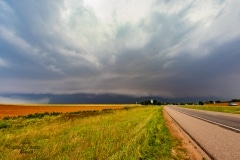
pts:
[201, 103]
[209, 102]
[218, 101]
[155, 102]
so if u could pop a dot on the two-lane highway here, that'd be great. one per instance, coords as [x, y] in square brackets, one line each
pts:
[229, 121]
[219, 142]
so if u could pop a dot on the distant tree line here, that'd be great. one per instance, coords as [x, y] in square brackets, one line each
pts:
[151, 102]
[235, 100]
[218, 101]
[155, 102]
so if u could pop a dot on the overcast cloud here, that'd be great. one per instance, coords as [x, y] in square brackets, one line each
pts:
[169, 48]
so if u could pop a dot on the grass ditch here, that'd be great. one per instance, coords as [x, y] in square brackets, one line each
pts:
[129, 133]
[158, 142]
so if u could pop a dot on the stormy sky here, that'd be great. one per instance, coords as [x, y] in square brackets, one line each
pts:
[165, 48]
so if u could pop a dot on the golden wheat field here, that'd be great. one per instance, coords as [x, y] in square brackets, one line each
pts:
[24, 109]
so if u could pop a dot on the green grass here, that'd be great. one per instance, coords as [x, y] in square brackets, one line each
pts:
[138, 133]
[225, 109]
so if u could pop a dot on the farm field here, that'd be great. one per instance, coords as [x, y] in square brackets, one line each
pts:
[129, 133]
[21, 110]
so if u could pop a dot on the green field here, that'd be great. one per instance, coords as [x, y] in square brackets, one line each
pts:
[225, 109]
[137, 133]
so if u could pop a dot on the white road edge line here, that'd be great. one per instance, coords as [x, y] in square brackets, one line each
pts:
[223, 125]
[201, 149]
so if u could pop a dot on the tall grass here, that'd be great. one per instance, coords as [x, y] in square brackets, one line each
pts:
[138, 133]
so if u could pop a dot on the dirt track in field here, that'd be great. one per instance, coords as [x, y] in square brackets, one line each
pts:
[16, 110]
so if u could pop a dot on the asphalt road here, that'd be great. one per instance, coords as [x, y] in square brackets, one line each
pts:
[217, 141]
[229, 121]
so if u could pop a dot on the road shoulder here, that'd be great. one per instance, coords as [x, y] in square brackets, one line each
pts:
[187, 149]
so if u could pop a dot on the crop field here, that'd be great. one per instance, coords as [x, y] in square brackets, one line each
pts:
[21, 110]
[128, 133]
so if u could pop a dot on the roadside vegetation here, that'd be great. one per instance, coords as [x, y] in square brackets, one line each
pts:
[225, 109]
[129, 133]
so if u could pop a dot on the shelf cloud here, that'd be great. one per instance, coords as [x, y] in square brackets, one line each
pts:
[168, 48]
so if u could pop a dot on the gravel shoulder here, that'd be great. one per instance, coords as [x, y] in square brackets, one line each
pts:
[188, 149]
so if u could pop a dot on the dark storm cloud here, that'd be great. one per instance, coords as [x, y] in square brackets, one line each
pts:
[171, 48]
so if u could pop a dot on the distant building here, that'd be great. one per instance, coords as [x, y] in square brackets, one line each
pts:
[151, 101]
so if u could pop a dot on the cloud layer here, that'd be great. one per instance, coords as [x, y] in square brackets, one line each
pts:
[170, 48]
[22, 100]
